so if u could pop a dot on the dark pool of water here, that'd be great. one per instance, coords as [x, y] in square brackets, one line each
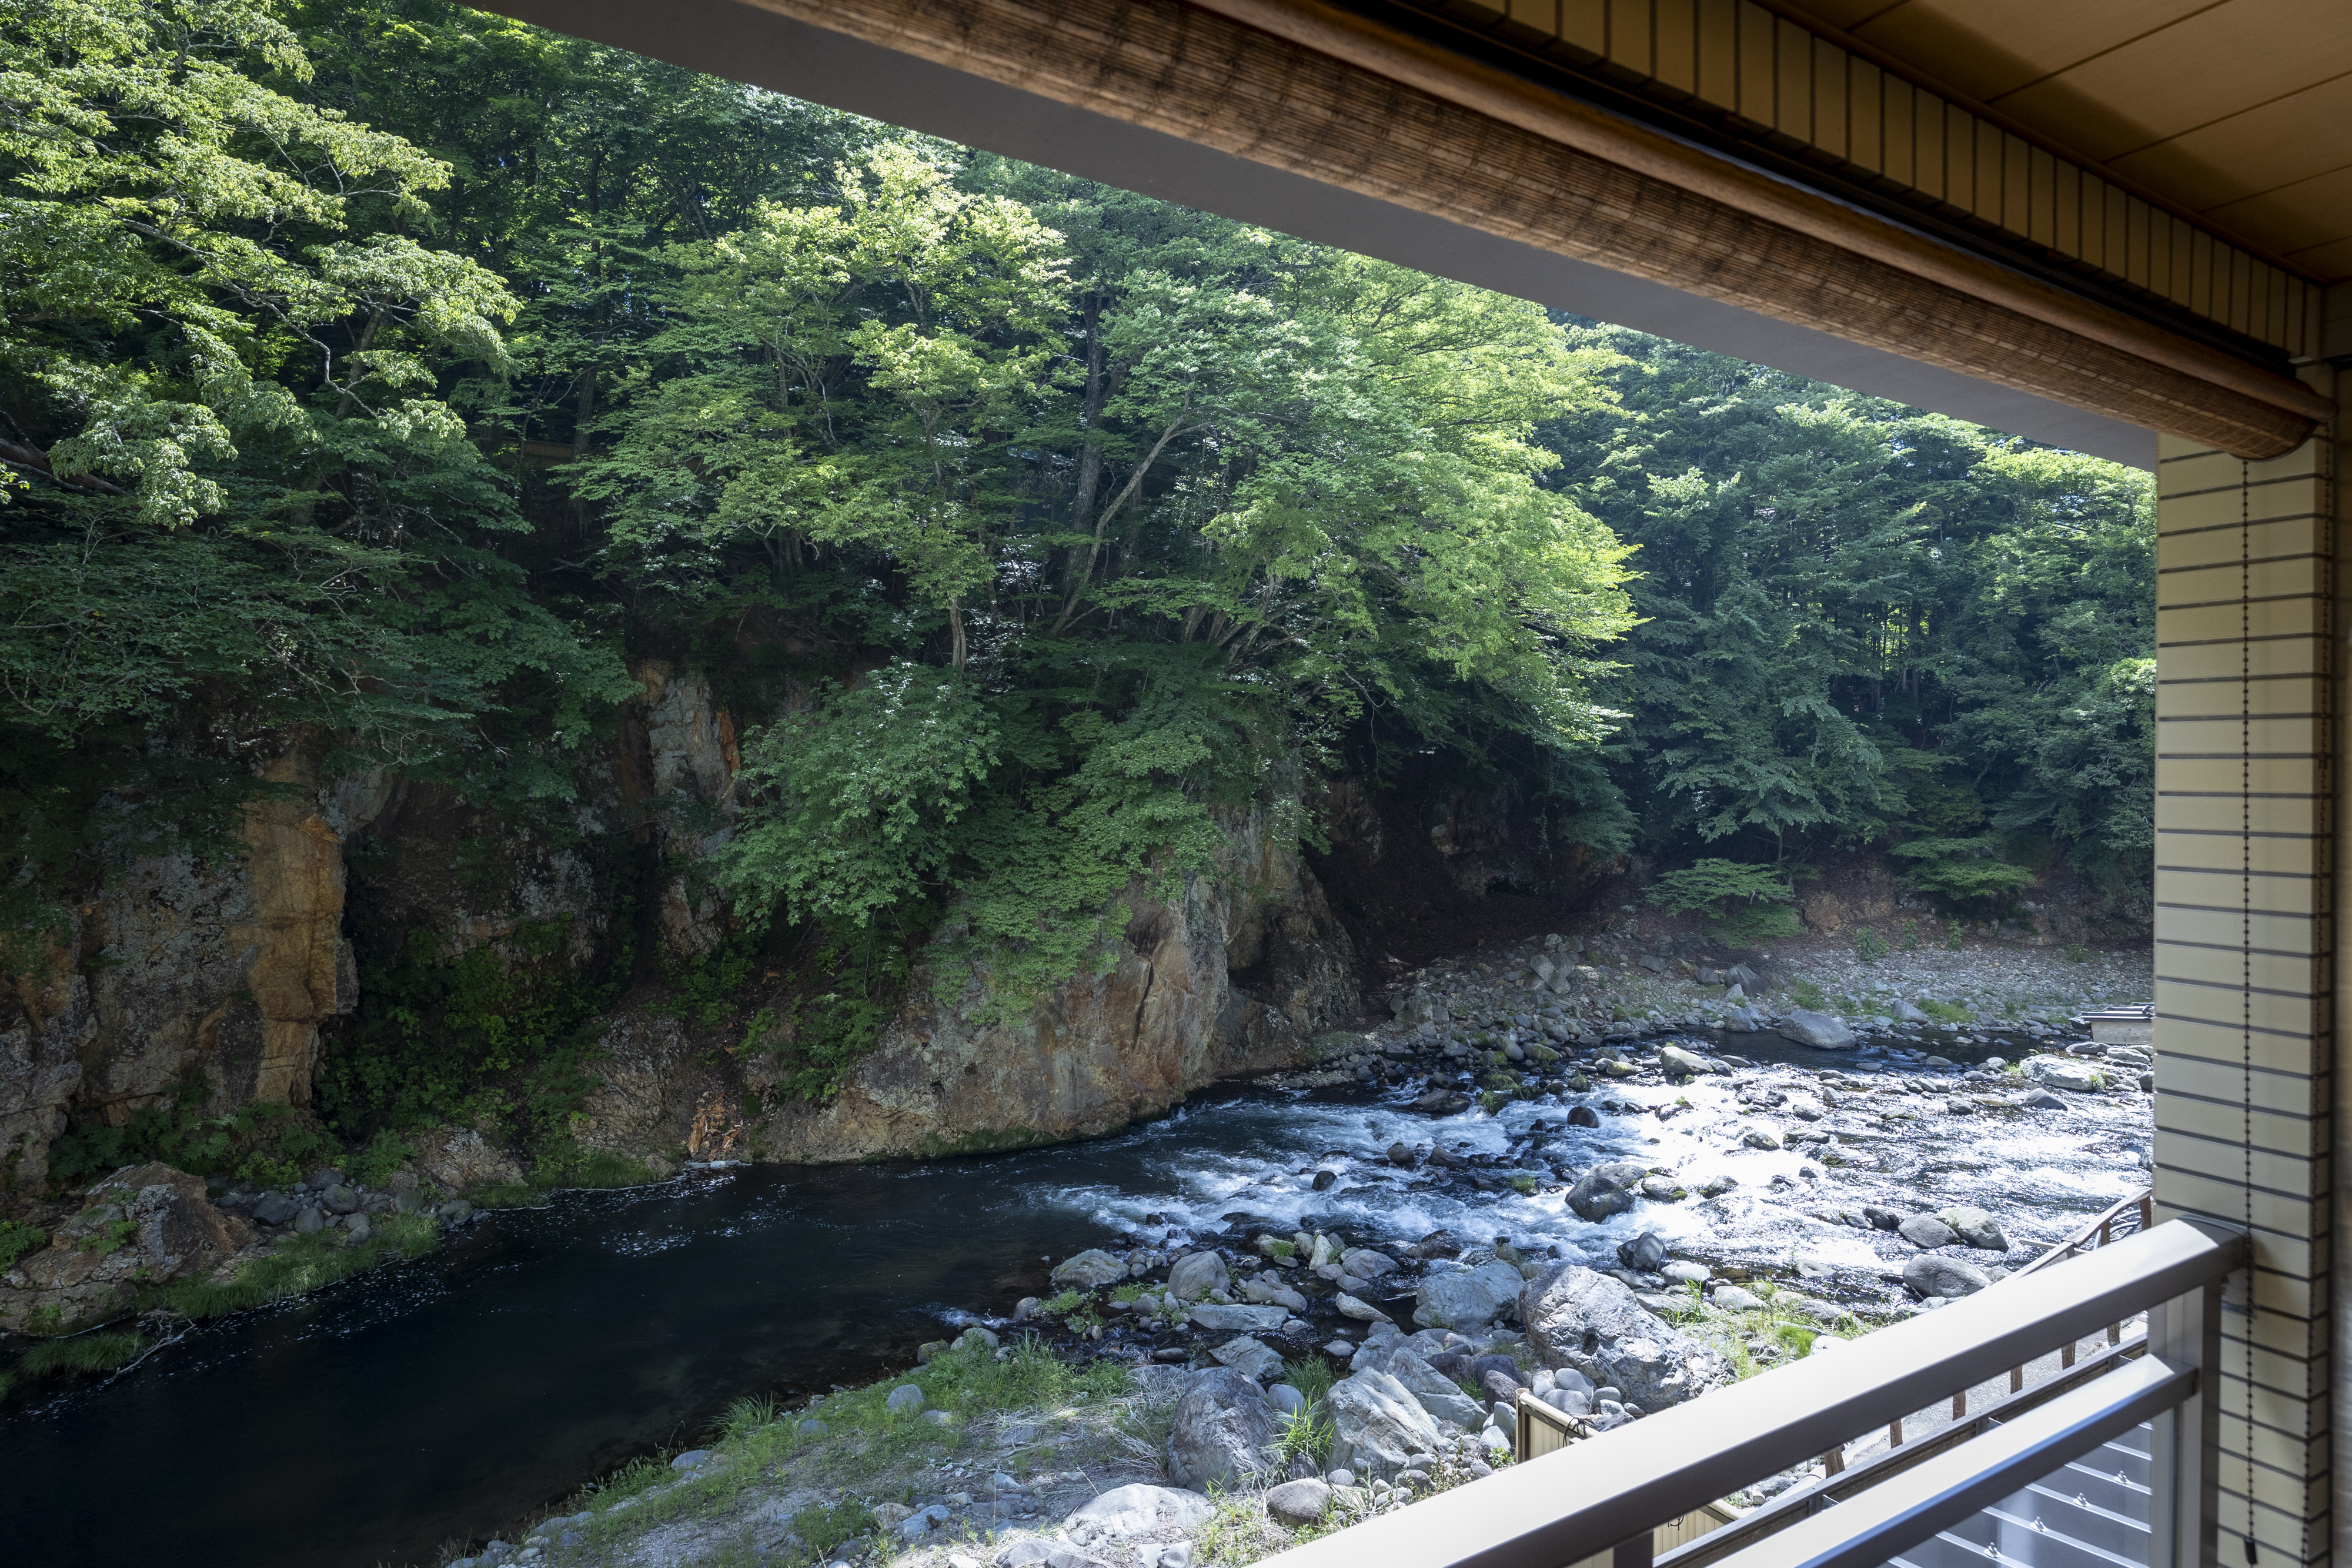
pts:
[375, 1422]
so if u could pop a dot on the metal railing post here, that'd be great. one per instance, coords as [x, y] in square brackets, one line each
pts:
[2186, 1332]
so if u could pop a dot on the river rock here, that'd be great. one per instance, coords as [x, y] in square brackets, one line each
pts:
[1125, 1512]
[1239, 1319]
[1819, 1030]
[2065, 1072]
[1354, 1307]
[1039, 1552]
[1975, 1228]
[1298, 1501]
[1326, 1180]
[1467, 1299]
[1761, 1138]
[274, 1209]
[1265, 1289]
[2041, 1099]
[1220, 1431]
[358, 1230]
[1732, 1299]
[1583, 1116]
[1576, 1318]
[1378, 1426]
[923, 1521]
[1681, 1063]
[1882, 1218]
[1686, 1273]
[1434, 1391]
[904, 1400]
[339, 1199]
[1284, 1400]
[1936, 1275]
[1925, 1231]
[1090, 1269]
[1804, 1108]
[1603, 1192]
[1643, 1253]
[1248, 1357]
[1195, 1274]
[1366, 1264]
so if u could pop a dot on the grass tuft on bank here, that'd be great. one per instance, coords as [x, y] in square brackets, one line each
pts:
[301, 1264]
[863, 1448]
[80, 1353]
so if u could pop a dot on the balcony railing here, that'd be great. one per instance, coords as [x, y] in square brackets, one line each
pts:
[1615, 1492]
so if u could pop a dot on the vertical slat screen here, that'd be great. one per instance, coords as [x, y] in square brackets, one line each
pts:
[1770, 74]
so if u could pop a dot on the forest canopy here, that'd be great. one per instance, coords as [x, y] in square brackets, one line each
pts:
[403, 375]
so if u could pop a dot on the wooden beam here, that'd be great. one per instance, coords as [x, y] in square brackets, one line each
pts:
[1182, 70]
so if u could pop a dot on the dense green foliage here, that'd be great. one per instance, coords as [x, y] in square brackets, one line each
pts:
[383, 378]
[1863, 624]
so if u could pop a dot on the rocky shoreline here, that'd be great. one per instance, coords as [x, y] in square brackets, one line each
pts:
[1254, 1383]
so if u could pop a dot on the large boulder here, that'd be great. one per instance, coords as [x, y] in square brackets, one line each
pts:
[1239, 1319]
[1301, 1501]
[1925, 1230]
[1090, 1269]
[1252, 1358]
[1126, 1512]
[1268, 1290]
[1466, 1298]
[2065, 1072]
[1195, 1274]
[1975, 1228]
[1221, 1427]
[1605, 1190]
[1807, 1027]
[1377, 1426]
[1436, 1392]
[1575, 1318]
[143, 1225]
[1935, 1274]
[1681, 1063]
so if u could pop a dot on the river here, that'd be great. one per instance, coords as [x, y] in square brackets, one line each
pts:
[438, 1400]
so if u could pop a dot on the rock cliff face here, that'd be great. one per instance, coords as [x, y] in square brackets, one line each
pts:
[214, 983]
[183, 973]
[1235, 975]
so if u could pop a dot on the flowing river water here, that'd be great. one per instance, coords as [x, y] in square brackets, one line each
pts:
[439, 1400]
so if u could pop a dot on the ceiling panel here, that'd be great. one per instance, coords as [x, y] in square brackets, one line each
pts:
[2222, 61]
[2300, 216]
[1988, 48]
[2332, 261]
[2287, 140]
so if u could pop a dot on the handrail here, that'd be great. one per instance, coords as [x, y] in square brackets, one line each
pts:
[1559, 1509]
[2099, 1232]
[1912, 1506]
[1800, 1502]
